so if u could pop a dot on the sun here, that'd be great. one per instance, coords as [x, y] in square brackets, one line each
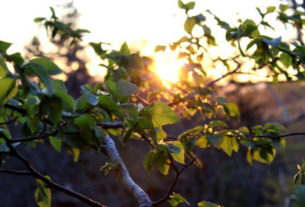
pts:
[167, 66]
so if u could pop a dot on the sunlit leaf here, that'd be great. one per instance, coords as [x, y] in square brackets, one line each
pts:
[8, 89]
[189, 24]
[4, 46]
[176, 199]
[176, 150]
[207, 204]
[56, 143]
[161, 114]
[42, 194]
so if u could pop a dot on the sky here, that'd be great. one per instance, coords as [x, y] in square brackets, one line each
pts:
[142, 23]
[116, 21]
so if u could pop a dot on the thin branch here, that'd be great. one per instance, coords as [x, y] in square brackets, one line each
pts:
[225, 75]
[42, 136]
[35, 173]
[8, 121]
[279, 136]
[16, 108]
[148, 141]
[111, 125]
[175, 181]
[14, 172]
[144, 101]
[109, 149]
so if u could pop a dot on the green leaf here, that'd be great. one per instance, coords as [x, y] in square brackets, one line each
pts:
[176, 150]
[160, 48]
[263, 155]
[189, 24]
[92, 99]
[217, 123]
[124, 49]
[56, 143]
[285, 59]
[112, 88]
[161, 114]
[16, 58]
[207, 204]
[231, 109]
[249, 27]
[229, 144]
[215, 139]
[97, 47]
[270, 9]
[202, 142]
[39, 19]
[190, 5]
[8, 89]
[4, 46]
[75, 153]
[42, 73]
[149, 161]
[61, 92]
[42, 194]
[3, 68]
[300, 195]
[53, 107]
[161, 134]
[158, 158]
[110, 105]
[176, 199]
[126, 88]
[284, 7]
[84, 122]
[50, 67]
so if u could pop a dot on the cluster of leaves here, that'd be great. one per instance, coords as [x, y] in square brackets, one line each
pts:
[57, 27]
[40, 104]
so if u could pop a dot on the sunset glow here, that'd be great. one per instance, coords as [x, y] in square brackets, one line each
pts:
[167, 66]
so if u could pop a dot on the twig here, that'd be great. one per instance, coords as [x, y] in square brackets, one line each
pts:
[14, 172]
[35, 173]
[279, 136]
[148, 141]
[171, 189]
[42, 136]
[8, 121]
[144, 101]
[225, 75]
[111, 125]
[16, 108]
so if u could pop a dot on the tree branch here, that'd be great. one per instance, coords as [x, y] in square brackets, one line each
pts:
[175, 181]
[14, 172]
[16, 108]
[279, 136]
[35, 173]
[8, 121]
[111, 125]
[42, 136]
[109, 149]
[225, 75]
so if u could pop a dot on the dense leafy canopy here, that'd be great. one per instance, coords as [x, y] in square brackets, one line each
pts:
[132, 103]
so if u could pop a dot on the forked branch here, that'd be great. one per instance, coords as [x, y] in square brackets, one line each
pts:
[109, 149]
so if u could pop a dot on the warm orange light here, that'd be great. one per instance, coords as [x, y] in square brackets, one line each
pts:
[167, 66]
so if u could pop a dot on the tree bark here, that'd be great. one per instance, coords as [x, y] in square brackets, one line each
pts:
[109, 149]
